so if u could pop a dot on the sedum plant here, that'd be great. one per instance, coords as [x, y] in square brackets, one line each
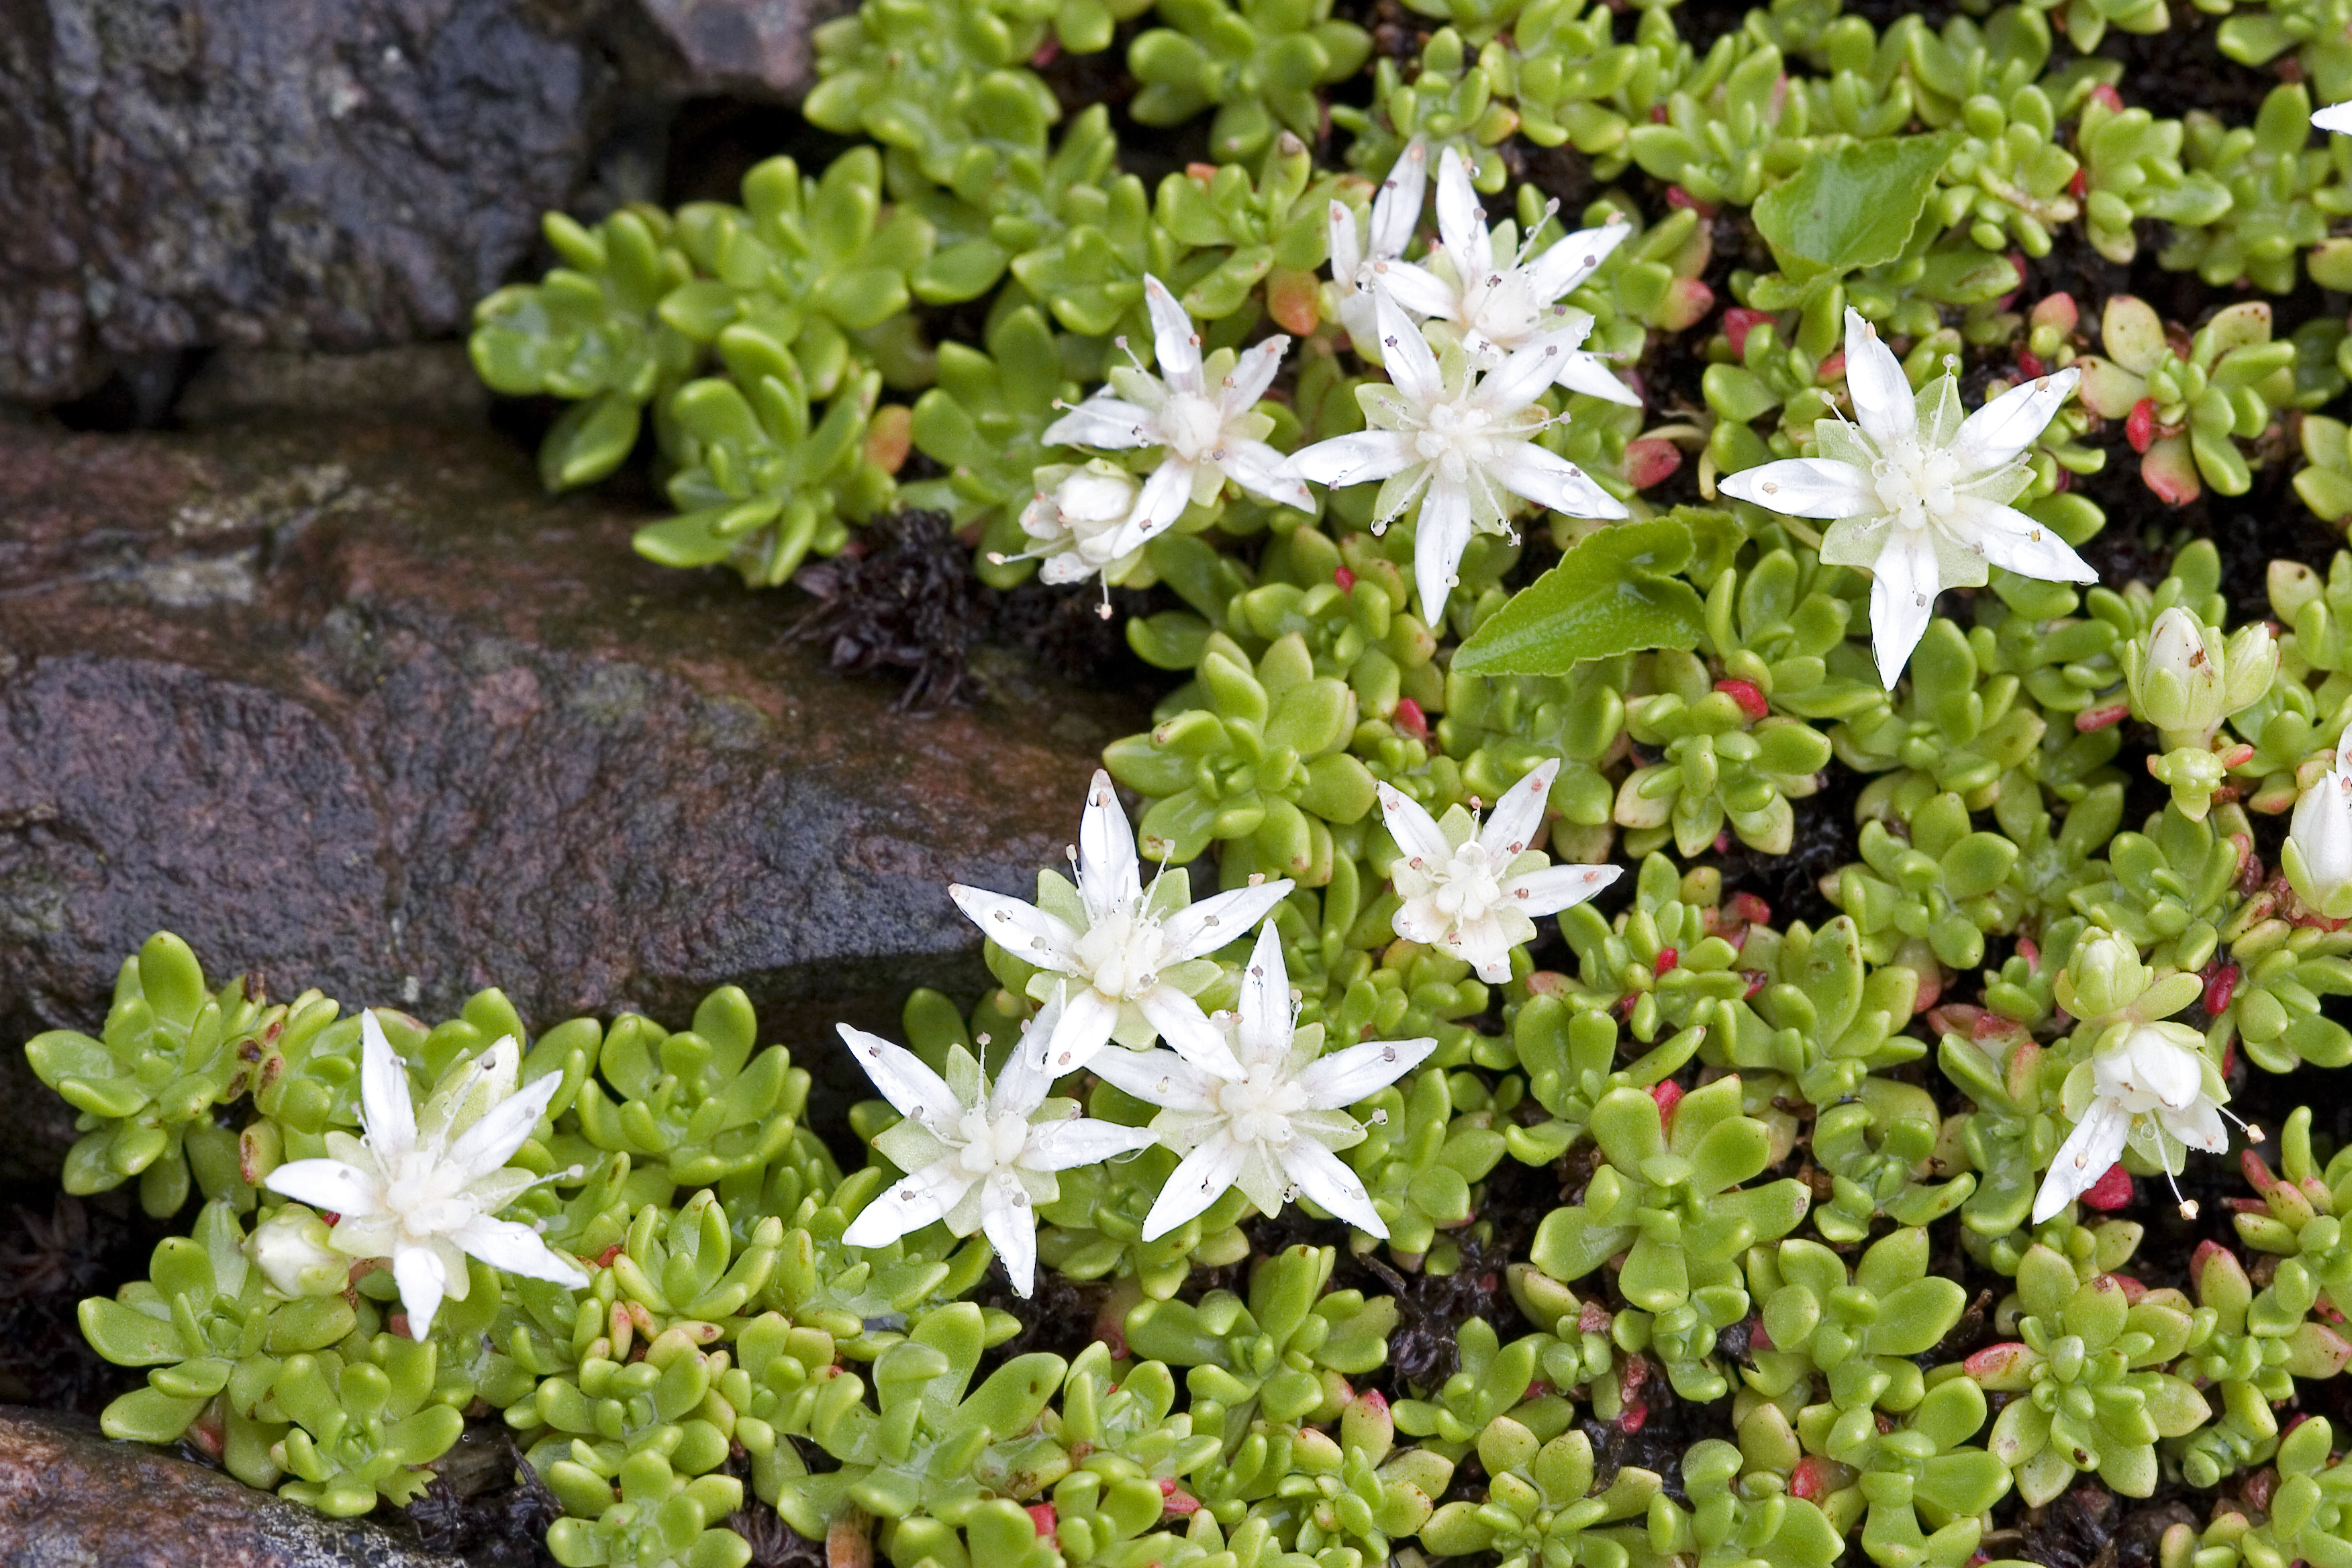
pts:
[1532, 440]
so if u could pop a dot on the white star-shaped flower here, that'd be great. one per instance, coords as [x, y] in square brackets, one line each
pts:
[1502, 306]
[1130, 955]
[1471, 891]
[1265, 1112]
[979, 1157]
[2157, 1090]
[1919, 494]
[1460, 443]
[424, 1189]
[1357, 260]
[2335, 117]
[1207, 433]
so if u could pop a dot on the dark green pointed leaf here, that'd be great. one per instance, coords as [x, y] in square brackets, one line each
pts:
[1611, 593]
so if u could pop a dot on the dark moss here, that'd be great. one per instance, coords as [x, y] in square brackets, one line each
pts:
[486, 1502]
[55, 1249]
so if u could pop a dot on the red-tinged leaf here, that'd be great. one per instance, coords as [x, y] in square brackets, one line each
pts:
[2112, 1191]
[1651, 460]
[1736, 323]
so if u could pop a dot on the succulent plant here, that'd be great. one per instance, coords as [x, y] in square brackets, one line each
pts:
[2186, 411]
[171, 1049]
[2248, 1348]
[1722, 756]
[1670, 1201]
[1540, 1505]
[1264, 763]
[2094, 1398]
[1283, 1352]
[1260, 64]
[590, 332]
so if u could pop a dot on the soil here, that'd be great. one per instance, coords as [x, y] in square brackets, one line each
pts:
[55, 1249]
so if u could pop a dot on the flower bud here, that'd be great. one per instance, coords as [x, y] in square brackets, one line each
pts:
[2176, 677]
[2103, 977]
[291, 1249]
[1075, 518]
[2318, 854]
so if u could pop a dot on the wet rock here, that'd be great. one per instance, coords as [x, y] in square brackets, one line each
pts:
[319, 173]
[359, 707]
[417, 384]
[69, 1498]
[744, 47]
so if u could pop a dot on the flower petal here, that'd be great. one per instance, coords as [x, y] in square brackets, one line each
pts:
[387, 1114]
[423, 1281]
[514, 1248]
[1902, 600]
[1441, 534]
[903, 1079]
[1088, 1018]
[2335, 117]
[1262, 471]
[1011, 1225]
[1175, 343]
[329, 1185]
[1264, 1026]
[1551, 481]
[1804, 487]
[491, 1142]
[1162, 500]
[1405, 353]
[1025, 930]
[1337, 1190]
[1158, 1078]
[1570, 261]
[1342, 1079]
[1022, 1078]
[1415, 289]
[1524, 376]
[1109, 876]
[1187, 1031]
[1588, 373]
[1082, 1141]
[912, 1203]
[1359, 458]
[1205, 927]
[1883, 402]
[1396, 211]
[1460, 220]
[1511, 825]
[1557, 887]
[1253, 373]
[2007, 537]
[1105, 421]
[2089, 1152]
[1414, 830]
[1994, 435]
[1346, 245]
[1200, 1179]
[2198, 1127]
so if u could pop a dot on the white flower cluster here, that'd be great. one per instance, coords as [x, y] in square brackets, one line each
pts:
[1472, 337]
[1248, 1098]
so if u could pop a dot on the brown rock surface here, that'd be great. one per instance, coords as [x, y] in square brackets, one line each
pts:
[69, 1498]
[361, 707]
